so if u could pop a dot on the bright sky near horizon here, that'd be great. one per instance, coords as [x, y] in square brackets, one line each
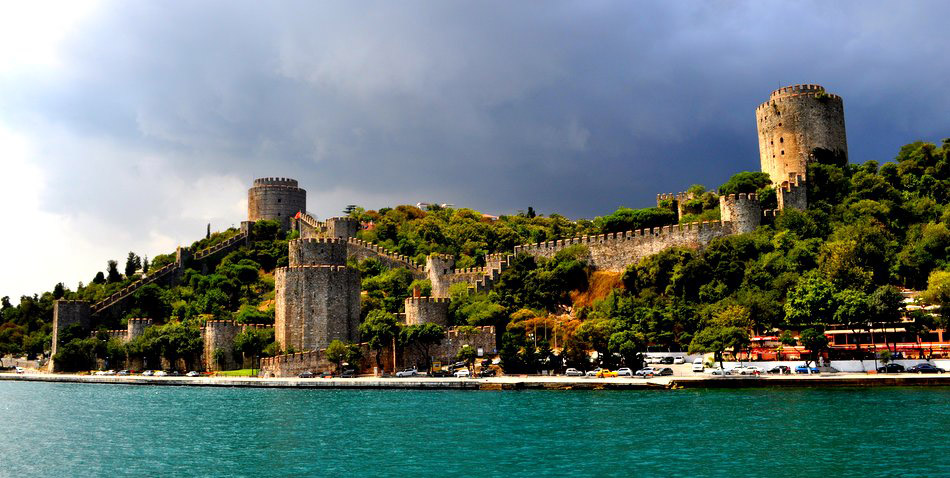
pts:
[131, 125]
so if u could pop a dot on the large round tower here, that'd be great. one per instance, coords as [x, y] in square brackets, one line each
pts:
[277, 199]
[793, 123]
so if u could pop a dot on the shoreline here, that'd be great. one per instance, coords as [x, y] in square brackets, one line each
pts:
[506, 382]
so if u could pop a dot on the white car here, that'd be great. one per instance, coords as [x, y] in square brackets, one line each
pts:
[593, 373]
[573, 372]
[20, 370]
[698, 365]
[409, 372]
[161, 373]
[148, 373]
[462, 373]
[192, 374]
[624, 372]
[679, 359]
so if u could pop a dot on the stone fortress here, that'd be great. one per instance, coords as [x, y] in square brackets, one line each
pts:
[318, 296]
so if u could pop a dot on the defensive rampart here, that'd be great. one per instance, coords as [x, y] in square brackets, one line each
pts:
[218, 337]
[613, 252]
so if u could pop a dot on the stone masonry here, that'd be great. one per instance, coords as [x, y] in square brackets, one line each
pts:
[794, 122]
[425, 310]
[277, 199]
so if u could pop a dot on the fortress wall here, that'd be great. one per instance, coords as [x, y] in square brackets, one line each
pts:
[66, 313]
[743, 210]
[315, 305]
[341, 227]
[317, 251]
[136, 327]
[615, 251]
[423, 310]
[792, 193]
[362, 250]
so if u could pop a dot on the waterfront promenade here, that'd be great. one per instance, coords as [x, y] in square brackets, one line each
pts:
[508, 382]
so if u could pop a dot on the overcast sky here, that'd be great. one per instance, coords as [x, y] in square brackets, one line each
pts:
[131, 125]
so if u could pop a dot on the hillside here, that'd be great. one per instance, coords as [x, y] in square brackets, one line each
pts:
[868, 229]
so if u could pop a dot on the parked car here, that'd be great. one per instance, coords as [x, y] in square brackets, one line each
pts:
[747, 370]
[665, 360]
[348, 373]
[925, 368]
[720, 371]
[105, 372]
[665, 371]
[487, 372]
[409, 372]
[160, 373]
[440, 373]
[148, 373]
[122, 372]
[20, 370]
[462, 372]
[174, 373]
[573, 372]
[604, 373]
[307, 374]
[805, 369]
[624, 372]
[593, 373]
[679, 360]
[643, 372]
[326, 374]
[192, 374]
[891, 368]
[698, 365]
[780, 369]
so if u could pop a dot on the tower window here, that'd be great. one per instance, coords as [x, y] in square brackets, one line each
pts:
[780, 124]
[780, 140]
[783, 152]
[771, 142]
[278, 200]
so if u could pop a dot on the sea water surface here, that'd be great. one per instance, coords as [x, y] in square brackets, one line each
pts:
[57, 430]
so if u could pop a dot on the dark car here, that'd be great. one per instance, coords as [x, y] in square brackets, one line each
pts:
[326, 374]
[664, 371]
[487, 372]
[306, 375]
[174, 373]
[891, 368]
[780, 369]
[440, 373]
[348, 373]
[925, 368]
[666, 360]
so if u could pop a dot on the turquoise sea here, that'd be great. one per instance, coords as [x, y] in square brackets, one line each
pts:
[58, 430]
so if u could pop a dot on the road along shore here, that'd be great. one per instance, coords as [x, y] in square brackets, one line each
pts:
[506, 382]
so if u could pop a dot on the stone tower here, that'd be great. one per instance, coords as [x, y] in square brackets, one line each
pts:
[743, 211]
[317, 298]
[277, 199]
[792, 124]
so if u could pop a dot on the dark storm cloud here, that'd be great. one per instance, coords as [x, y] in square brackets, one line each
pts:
[571, 107]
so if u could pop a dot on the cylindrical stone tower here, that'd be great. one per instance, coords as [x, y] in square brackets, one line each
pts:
[277, 199]
[793, 123]
[317, 251]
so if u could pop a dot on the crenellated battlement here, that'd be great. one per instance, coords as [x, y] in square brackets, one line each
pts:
[333, 268]
[319, 240]
[275, 182]
[456, 332]
[140, 321]
[427, 300]
[796, 89]
[404, 261]
[774, 102]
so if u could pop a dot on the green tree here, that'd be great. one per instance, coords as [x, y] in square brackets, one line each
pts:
[132, 264]
[717, 339]
[423, 336]
[810, 302]
[467, 354]
[112, 271]
[815, 341]
[629, 345]
[378, 330]
[337, 352]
